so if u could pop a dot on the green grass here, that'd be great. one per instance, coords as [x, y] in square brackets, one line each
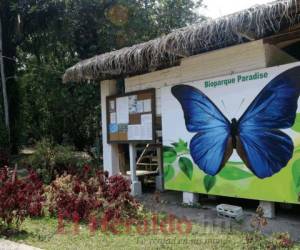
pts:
[42, 233]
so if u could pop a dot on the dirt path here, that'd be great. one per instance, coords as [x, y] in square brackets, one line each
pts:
[205, 214]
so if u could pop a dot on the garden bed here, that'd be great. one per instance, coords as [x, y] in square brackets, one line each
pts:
[43, 233]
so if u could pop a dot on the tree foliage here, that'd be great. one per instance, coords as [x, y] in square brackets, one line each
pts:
[47, 36]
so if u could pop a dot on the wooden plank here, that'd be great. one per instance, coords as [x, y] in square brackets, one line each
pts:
[143, 173]
[276, 56]
[283, 36]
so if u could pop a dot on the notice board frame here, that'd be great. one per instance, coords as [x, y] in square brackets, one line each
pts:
[152, 93]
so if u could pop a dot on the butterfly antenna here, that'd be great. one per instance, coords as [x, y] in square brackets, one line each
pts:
[224, 105]
[241, 104]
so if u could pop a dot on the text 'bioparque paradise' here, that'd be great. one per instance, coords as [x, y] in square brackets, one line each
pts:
[236, 79]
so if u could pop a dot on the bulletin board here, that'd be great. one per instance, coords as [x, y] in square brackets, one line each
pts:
[131, 117]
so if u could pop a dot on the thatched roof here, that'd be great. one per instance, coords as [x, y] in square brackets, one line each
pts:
[254, 23]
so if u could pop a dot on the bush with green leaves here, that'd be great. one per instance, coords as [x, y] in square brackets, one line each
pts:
[50, 160]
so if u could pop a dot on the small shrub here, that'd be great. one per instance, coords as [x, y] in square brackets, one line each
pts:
[50, 160]
[41, 160]
[256, 239]
[19, 197]
[259, 221]
[120, 203]
[281, 241]
[84, 196]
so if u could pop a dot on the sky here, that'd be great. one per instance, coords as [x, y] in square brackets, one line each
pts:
[217, 8]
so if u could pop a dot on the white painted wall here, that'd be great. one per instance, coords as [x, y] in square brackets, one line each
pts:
[110, 151]
[235, 59]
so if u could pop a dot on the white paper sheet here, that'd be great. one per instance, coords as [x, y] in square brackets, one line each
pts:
[113, 118]
[146, 119]
[140, 106]
[134, 132]
[112, 105]
[147, 105]
[122, 110]
[146, 131]
[132, 104]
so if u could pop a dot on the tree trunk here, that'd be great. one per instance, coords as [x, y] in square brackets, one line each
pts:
[3, 81]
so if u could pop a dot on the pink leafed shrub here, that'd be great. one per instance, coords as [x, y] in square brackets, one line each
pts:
[19, 197]
[84, 196]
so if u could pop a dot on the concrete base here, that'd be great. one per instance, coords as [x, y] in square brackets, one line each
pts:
[159, 184]
[268, 208]
[136, 188]
[190, 198]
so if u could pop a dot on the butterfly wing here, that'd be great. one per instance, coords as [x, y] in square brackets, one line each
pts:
[266, 149]
[211, 146]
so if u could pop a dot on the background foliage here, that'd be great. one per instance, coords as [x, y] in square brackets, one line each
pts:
[44, 37]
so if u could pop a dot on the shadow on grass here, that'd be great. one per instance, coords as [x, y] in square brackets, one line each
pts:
[11, 233]
[37, 232]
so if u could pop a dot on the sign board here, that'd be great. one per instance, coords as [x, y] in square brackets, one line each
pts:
[130, 117]
[236, 135]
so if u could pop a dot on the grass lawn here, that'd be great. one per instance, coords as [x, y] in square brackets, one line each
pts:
[42, 233]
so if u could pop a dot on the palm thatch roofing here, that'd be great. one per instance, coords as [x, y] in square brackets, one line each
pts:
[255, 23]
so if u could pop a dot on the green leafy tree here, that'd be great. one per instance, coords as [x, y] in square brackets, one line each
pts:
[47, 36]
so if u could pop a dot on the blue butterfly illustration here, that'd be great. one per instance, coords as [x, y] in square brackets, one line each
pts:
[256, 135]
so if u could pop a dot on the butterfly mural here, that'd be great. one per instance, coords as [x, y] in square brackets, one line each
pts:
[256, 135]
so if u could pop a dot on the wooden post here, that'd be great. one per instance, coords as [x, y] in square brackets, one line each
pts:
[136, 187]
[3, 80]
[159, 183]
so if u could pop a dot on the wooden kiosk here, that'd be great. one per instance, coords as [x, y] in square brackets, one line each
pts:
[266, 37]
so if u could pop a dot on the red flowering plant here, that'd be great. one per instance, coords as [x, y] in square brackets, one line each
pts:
[120, 203]
[84, 196]
[19, 197]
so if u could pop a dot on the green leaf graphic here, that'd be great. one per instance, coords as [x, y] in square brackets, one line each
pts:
[186, 166]
[296, 126]
[233, 173]
[169, 172]
[235, 163]
[169, 155]
[296, 173]
[180, 146]
[209, 182]
[297, 150]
